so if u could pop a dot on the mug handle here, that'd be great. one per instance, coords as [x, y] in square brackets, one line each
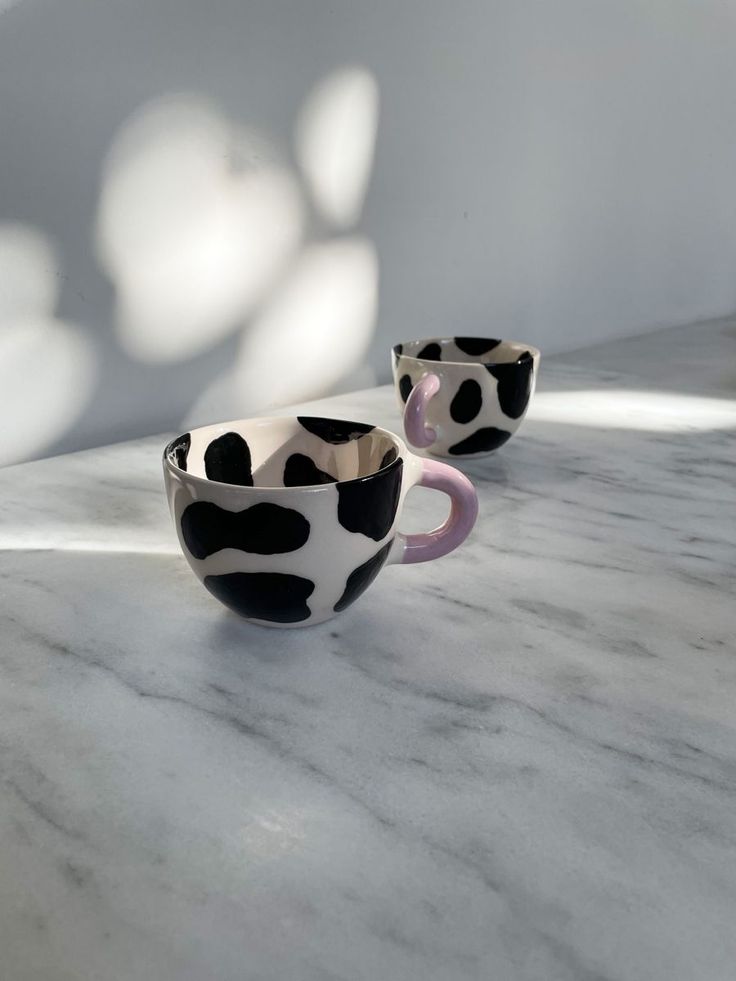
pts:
[415, 411]
[463, 512]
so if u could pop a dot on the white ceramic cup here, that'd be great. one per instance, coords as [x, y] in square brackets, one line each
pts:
[463, 396]
[287, 520]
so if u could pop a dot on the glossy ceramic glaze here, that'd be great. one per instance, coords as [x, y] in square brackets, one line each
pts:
[288, 520]
[463, 396]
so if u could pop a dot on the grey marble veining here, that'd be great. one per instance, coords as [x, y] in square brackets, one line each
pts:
[516, 763]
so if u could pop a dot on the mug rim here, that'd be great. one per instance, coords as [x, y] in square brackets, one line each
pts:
[534, 351]
[400, 445]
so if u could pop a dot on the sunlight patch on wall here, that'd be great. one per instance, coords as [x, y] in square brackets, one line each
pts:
[316, 328]
[47, 368]
[197, 220]
[335, 141]
[47, 373]
[227, 398]
[203, 228]
[666, 412]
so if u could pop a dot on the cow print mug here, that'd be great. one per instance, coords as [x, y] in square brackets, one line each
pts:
[288, 520]
[463, 396]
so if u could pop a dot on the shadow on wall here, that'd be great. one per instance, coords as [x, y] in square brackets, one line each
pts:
[206, 231]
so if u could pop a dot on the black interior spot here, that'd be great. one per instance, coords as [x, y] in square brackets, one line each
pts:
[482, 441]
[467, 402]
[514, 384]
[267, 529]
[334, 430]
[301, 471]
[273, 596]
[368, 506]
[476, 345]
[388, 457]
[405, 387]
[431, 352]
[179, 450]
[227, 459]
[360, 579]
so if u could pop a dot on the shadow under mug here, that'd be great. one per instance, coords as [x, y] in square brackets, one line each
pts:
[463, 396]
[287, 520]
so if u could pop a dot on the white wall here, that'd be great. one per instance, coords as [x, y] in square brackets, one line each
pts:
[561, 171]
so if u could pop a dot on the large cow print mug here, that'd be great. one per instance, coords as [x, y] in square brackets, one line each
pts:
[288, 520]
[463, 396]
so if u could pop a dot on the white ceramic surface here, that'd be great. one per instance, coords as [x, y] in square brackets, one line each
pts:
[518, 763]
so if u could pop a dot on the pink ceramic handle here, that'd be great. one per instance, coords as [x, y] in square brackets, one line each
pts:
[415, 411]
[464, 511]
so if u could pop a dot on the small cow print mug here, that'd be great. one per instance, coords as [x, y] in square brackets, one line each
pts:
[463, 396]
[288, 520]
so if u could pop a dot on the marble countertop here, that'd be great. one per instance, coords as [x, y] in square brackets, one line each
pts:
[515, 763]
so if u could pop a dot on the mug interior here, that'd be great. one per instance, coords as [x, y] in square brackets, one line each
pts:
[465, 350]
[301, 451]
